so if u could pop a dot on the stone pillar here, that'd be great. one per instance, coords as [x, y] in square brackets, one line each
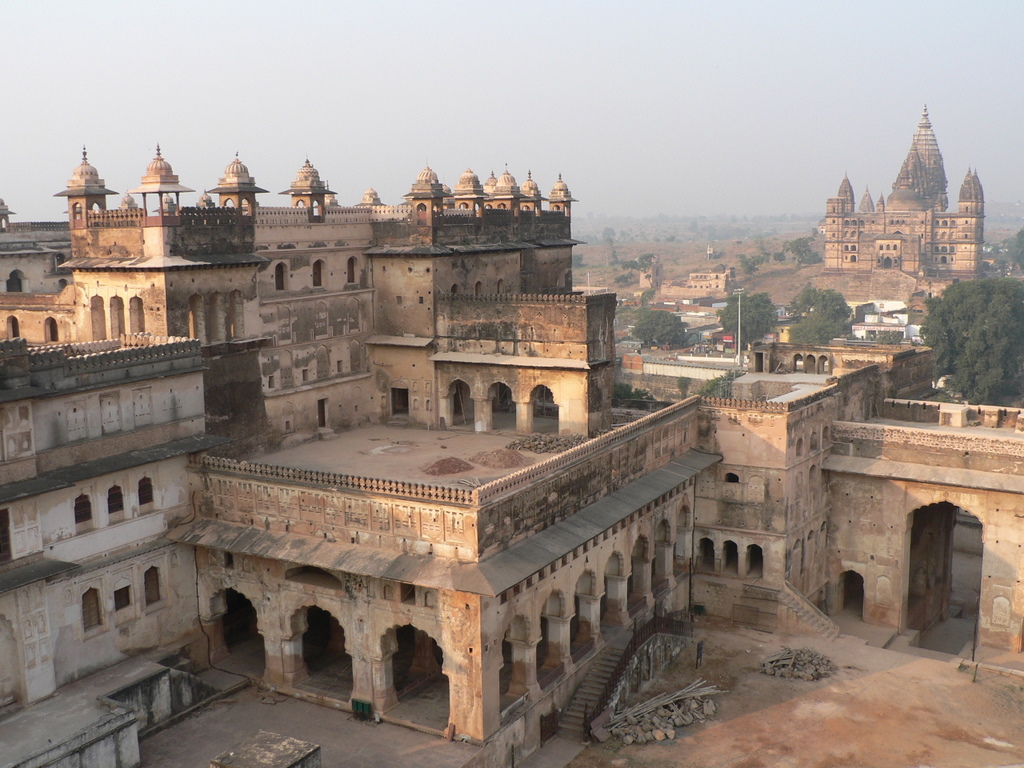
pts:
[213, 628]
[383, 683]
[558, 641]
[293, 665]
[615, 588]
[524, 667]
[590, 618]
[274, 672]
[362, 676]
[524, 417]
[642, 577]
[483, 421]
[444, 411]
[663, 559]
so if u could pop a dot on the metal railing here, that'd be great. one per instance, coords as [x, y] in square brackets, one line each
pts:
[657, 625]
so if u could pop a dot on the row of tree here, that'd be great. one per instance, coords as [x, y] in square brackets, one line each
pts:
[976, 329]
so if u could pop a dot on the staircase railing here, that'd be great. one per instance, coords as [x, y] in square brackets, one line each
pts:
[798, 597]
[657, 625]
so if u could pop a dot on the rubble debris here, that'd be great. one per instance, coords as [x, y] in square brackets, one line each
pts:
[500, 458]
[447, 466]
[660, 718]
[801, 664]
[546, 443]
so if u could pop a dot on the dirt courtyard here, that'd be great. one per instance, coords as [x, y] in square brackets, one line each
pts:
[881, 708]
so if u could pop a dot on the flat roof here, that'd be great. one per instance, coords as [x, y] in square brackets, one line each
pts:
[402, 452]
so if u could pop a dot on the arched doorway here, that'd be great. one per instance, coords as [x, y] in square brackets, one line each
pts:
[545, 410]
[519, 664]
[242, 640]
[421, 686]
[755, 561]
[853, 593]
[503, 407]
[461, 404]
[944, 576]
[731, 558]
[328, 664]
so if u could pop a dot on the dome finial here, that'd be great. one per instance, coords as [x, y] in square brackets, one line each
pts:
[85, 157]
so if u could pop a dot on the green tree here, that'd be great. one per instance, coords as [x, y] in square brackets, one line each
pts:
[624, 391]
[662, 328]
[624, 279]
[802, 251]
[646, 296]
[976, 329]
[644, 260]
[748, 265]
[825, 314]
[889, 337]
[1015, 248]
[759, 316]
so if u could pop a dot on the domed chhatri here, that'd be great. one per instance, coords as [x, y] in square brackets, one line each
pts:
[370, 197]
[128, 203]
[237, 188]
[159, 179]
[308, 190]
[86, 191]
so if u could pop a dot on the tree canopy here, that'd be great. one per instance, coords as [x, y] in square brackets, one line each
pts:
[825, 315]
[976, 329]
[662, 328]
[759, 316]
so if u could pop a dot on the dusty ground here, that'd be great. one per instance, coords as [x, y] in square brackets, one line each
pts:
[882, 709]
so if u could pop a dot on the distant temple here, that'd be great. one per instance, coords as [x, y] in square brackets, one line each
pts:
[909, 241]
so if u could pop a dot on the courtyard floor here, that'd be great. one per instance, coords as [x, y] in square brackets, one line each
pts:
[883, 709]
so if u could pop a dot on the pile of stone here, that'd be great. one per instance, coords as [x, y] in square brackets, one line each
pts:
[546, 443]
[802, 664]
[659, 718]
[450, 465]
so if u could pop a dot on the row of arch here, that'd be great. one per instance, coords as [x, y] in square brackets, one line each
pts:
[83, 506]
[810, 363]
[216, 317]
[325, 365]
[462, 405]
[50, 328]
[118, 323]
[284, 280]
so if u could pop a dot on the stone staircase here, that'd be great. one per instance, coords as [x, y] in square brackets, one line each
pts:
[807, 613]
[571, 725]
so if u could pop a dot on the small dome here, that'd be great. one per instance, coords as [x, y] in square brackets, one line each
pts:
[490, 184]
[560, 192]
[307, 174]
[158, 166]
[205, 201]
[507, 179]
[904, 199]
[468, 178]
[530, 188]
[370, 197]
[236, 168]
[447, 190]
[85, 173]
[2, 203]
[427, 176]
[128, 203]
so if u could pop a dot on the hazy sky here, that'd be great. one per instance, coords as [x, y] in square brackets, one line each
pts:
[645, 108]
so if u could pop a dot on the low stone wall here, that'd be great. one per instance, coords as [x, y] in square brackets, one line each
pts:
[162, 696]
[111, 742]
[649, 659]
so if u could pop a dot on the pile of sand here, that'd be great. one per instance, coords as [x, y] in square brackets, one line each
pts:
[447, 466]
[501, 458]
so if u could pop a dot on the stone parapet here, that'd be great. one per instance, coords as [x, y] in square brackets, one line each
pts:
[961, 441]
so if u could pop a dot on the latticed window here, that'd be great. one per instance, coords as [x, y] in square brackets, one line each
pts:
[145, 491]
[151, 582]
[115, 500]
[83, 509]
[91, 608]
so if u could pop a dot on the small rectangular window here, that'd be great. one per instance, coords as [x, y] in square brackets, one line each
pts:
[122, 598]
[151, 583]
[408, 594]
[5, 535]
[398, 299]
[91, 608]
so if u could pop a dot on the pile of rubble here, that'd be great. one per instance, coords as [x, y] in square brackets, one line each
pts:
[546, 443]
[658, 719]
[450, 465]
[802, 664]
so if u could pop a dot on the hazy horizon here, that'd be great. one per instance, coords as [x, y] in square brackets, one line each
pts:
[676, 108]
